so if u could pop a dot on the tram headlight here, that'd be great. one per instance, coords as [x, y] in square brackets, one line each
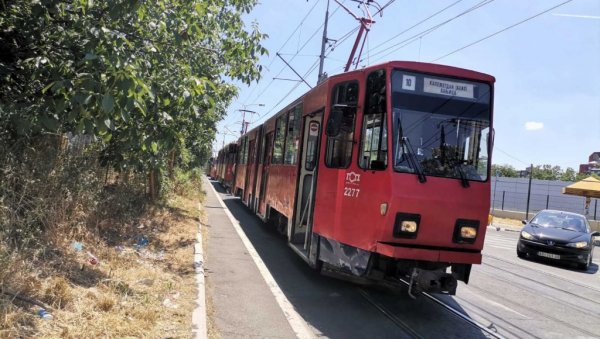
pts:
[468, 232]
[465, 231]
[409, 226]
[406, 225]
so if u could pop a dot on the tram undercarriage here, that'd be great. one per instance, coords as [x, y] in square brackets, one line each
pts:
[360, 266]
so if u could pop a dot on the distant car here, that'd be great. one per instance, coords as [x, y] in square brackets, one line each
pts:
[559, 236]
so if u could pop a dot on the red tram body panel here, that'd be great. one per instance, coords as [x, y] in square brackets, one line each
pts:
[378, 173]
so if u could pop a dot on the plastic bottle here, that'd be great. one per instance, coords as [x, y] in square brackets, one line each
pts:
[45, 315]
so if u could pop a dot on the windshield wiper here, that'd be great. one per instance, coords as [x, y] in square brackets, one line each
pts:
[463, 177]
[412, 159]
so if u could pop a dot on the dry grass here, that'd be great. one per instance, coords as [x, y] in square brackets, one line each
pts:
[128, 294]
[514, 223]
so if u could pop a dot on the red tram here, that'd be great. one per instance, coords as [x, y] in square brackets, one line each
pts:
[380, 173]
[223, 167]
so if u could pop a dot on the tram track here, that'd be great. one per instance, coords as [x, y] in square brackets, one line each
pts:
[543, 272]
[534, 311]
[524, 287]
[414, 333]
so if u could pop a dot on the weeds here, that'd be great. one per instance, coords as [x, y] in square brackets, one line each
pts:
[52, 195]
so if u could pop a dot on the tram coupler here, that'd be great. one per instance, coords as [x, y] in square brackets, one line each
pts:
[431, 281]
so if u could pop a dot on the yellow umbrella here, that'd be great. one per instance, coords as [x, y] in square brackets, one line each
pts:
[588, 187]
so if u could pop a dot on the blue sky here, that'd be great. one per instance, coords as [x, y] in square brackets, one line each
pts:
[547, 99]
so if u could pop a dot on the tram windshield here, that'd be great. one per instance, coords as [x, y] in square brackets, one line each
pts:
[441, 126]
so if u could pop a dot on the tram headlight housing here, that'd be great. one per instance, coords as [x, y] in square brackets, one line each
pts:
[406, 225]
[465, 231]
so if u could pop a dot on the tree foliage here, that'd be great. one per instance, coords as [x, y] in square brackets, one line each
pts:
[542, 172]
[145, 77]
[504, 171]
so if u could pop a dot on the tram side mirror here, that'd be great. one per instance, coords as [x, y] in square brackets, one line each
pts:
[334, 123]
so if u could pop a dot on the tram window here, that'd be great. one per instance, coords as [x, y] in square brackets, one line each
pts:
[373, 150]
[293, 135]
[340, 125]
[278, 145]
[244, 154]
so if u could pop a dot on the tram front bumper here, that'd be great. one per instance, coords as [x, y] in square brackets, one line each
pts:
[401, 251]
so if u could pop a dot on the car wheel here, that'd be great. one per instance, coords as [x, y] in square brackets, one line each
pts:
[520, 254]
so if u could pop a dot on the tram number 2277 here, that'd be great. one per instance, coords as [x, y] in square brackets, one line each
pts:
[351, 192]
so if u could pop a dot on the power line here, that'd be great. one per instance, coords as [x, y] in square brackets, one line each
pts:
[415, 37]
[285, 43]
[415, 25]
[510, 156]
[295, 54]
[504, 29]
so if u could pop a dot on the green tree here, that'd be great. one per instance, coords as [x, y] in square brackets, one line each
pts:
[148, 78]
[504, 171]
[547, 172]
[568, 175]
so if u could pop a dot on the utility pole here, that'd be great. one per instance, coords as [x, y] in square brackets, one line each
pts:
[245, 123]
[529, 191]
[323, 43]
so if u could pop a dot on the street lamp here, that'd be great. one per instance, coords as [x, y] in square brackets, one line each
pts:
[244, 110]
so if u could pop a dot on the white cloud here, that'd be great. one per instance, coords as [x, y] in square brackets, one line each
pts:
[533, 125]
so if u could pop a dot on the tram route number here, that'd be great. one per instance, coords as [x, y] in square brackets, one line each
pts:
[351, 192]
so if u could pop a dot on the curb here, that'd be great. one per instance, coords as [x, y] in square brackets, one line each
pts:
[199, 328]
[502, 229]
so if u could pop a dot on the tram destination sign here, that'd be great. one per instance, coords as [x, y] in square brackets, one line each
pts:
[450, 88]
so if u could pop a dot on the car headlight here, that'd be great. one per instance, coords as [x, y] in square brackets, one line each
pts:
[526, 235]
[579, 244]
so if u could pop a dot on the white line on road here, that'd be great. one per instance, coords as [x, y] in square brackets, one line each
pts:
[299, 326]
[199, 315]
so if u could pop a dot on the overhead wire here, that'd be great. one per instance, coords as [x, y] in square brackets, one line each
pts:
[394, 48]
[417, 24]
[285, 43]
[504, 29]
[297, 52]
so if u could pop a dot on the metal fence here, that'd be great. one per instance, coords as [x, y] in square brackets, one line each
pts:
[511, 194]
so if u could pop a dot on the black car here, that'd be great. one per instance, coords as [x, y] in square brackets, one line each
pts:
[559, 236]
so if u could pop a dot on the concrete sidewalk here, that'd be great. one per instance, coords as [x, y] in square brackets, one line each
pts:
[240, 302]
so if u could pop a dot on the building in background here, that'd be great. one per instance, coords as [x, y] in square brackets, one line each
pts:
[593, 165]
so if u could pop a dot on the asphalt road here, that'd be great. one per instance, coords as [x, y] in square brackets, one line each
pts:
[511, 297]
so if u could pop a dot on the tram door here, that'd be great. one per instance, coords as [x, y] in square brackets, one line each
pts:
[249, 173]
[307, 182]
[262, 208]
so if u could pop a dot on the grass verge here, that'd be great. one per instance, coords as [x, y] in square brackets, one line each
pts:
[147, 291]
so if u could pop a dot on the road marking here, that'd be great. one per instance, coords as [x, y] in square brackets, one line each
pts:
[299, 326]
[503, 307]
[199, 314]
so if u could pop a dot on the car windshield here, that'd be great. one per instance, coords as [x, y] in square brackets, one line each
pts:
[441, 126]
[560, 220]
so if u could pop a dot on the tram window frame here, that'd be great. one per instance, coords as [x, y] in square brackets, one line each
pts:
[344, 99]
[279, 139]
[375, 105]
[292, 138]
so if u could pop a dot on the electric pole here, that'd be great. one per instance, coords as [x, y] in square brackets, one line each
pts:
[323, 43]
